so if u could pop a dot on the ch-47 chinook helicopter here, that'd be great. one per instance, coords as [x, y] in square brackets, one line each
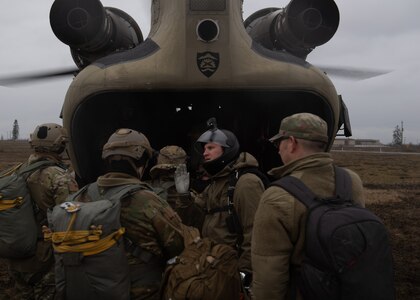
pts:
[201, 59]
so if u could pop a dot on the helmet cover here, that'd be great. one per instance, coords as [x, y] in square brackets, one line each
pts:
[49, 137]
[127, 142]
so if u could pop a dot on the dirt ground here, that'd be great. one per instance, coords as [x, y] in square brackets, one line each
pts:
[392, 182]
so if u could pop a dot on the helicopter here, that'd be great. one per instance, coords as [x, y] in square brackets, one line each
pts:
[199, 60]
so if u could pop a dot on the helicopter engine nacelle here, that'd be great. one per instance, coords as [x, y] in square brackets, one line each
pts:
[298, 28]
[91, 30]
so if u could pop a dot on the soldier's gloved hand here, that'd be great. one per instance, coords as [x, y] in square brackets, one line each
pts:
[182, 179]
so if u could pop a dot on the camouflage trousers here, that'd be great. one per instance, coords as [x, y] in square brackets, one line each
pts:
[29, 286]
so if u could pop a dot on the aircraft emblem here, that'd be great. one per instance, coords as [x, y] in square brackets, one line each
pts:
[207, 62]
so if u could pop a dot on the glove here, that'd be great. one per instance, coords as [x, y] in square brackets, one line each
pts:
[182, 179]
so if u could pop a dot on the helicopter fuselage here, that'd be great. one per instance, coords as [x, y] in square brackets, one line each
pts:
[197, 62]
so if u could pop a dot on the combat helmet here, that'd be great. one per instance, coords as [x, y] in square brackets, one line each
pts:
[127, 142]
[224, 138]
[168, 159]
[49, 137]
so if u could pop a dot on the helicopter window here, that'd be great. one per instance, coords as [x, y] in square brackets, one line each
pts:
[207, 5]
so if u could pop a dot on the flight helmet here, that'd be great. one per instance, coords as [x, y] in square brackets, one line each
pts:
[222, 137]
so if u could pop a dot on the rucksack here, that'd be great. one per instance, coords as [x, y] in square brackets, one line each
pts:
[347, 247]
[90, 259]
[19, 230]
[203, 271]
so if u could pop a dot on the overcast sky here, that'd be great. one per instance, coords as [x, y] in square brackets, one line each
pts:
[373, 34]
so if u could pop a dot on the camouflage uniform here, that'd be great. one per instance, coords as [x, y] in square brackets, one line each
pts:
[34, 276]
[163, 183]
[280, 221]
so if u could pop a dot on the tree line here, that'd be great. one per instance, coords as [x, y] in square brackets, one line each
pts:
[397, 136]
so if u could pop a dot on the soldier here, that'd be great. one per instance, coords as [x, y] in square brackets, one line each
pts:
[229, 205]
[177, 194]
[48, 186]
[279, 227]
[152, 227]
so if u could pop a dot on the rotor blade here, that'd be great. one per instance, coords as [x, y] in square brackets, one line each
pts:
[8, 81]
[353, 73]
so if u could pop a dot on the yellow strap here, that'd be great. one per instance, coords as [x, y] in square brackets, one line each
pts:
[75, 237]
[64, 236]
[11, 170]
[86, 245]
[7, 204]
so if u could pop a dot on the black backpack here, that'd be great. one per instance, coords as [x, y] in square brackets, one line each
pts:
[347, 247]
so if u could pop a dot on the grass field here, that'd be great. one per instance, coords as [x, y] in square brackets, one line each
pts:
[392, 182]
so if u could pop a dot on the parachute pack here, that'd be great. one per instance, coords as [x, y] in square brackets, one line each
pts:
[90, 260]
[19, 230]
[204, 270]
[347, 247]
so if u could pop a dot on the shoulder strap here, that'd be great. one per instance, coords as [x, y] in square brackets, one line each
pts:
[229, 207]
[293, 185]
[73, 196]
[127, 190]
[343, 184]
[116, 193]
[11, 170]
[34, 166]
[256, 171]
[236, 174]
[298, 189]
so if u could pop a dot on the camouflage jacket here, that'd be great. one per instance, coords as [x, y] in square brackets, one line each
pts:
[48, 186]
[280, 222]
[248, 191]
[152, 231]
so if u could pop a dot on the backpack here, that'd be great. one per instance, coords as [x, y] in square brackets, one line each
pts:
[203, 271]
[19, 230]
[347, 247]
[90, 259]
